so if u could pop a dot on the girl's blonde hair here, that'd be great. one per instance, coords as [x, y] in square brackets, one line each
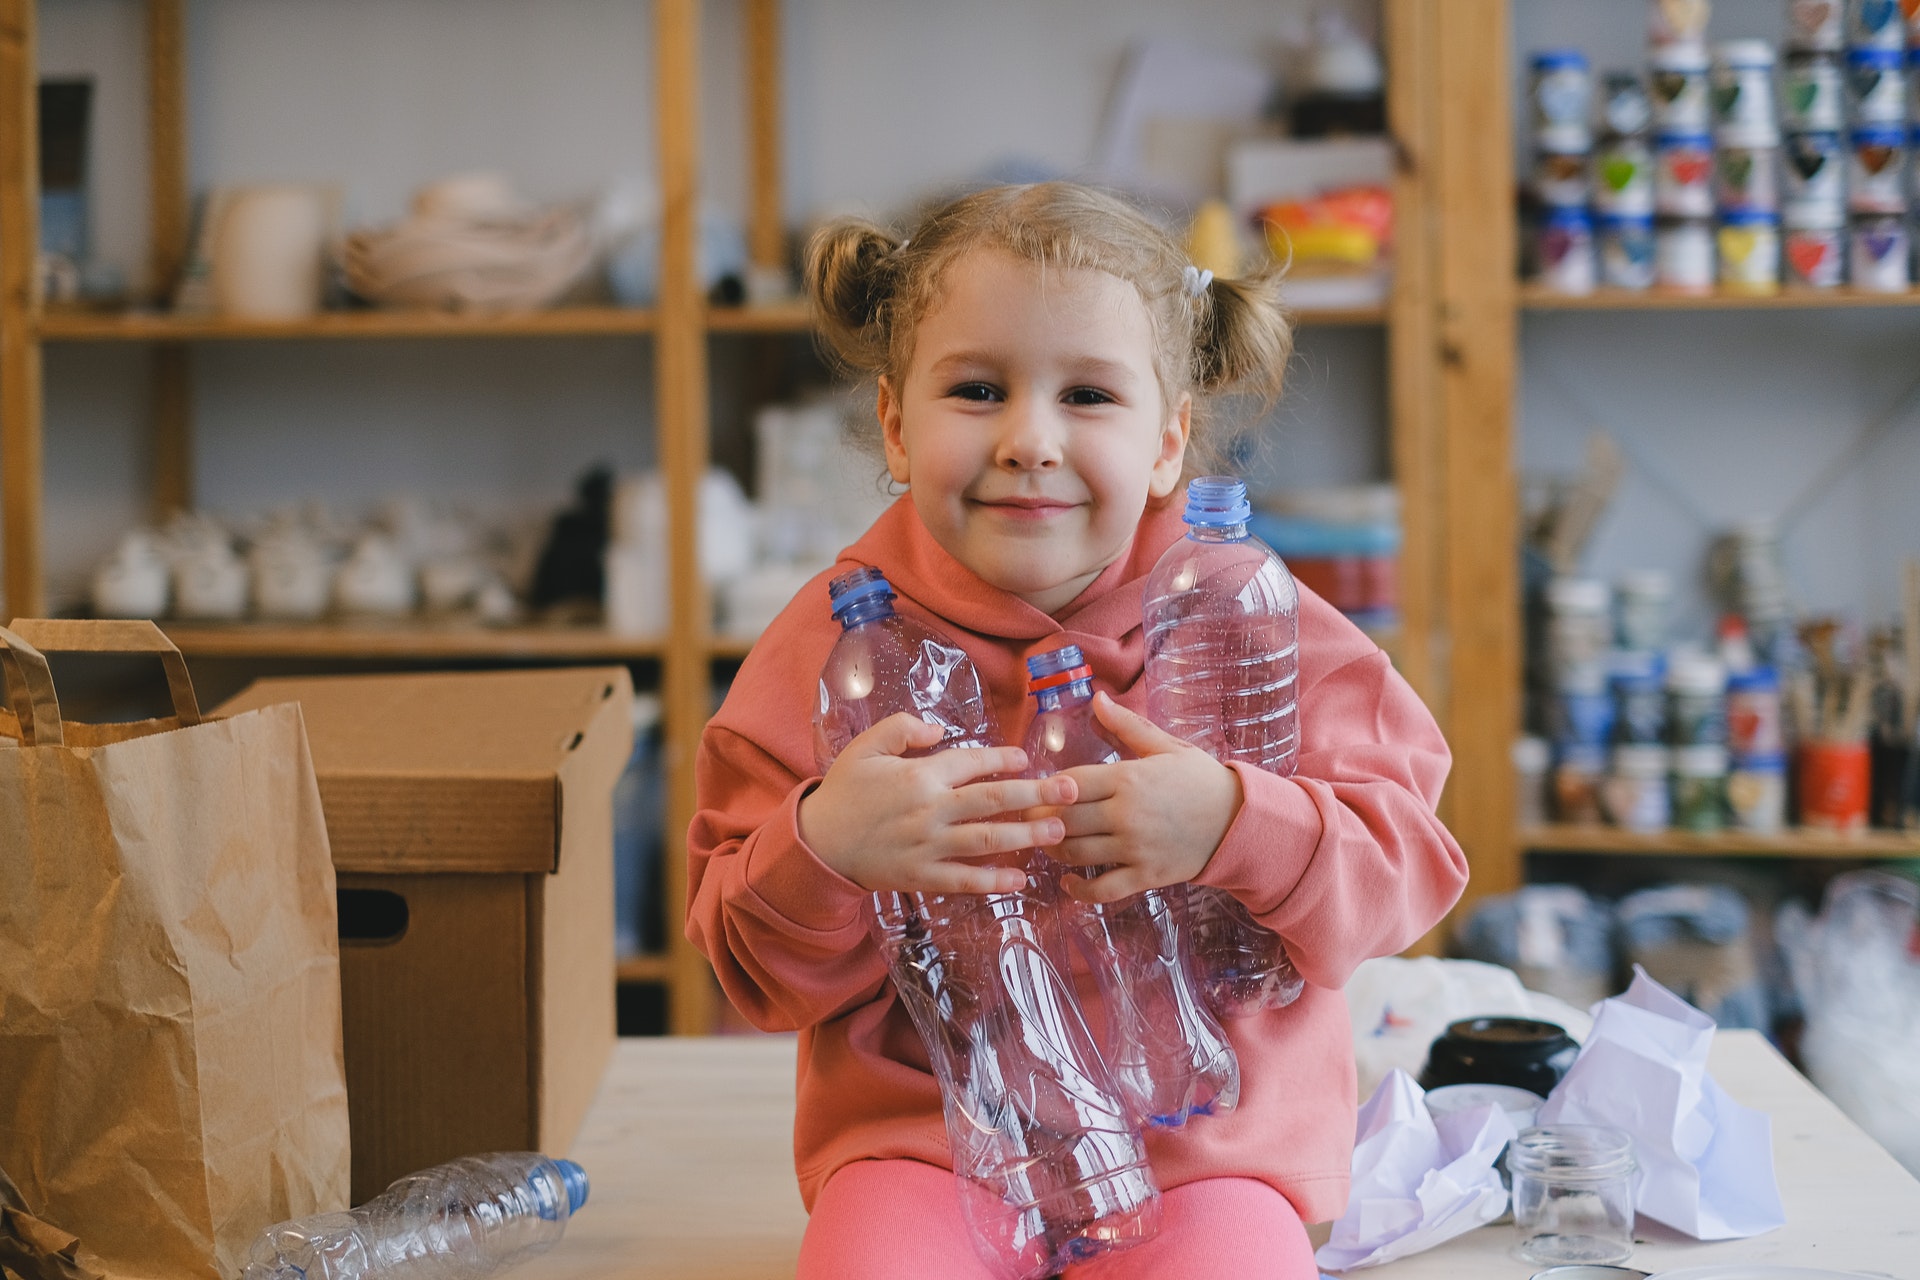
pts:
[870, 288]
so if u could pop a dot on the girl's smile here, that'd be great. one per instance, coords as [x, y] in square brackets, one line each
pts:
[1030, 424]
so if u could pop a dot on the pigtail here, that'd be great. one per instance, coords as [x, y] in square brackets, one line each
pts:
[851, 274]
[1243, 338]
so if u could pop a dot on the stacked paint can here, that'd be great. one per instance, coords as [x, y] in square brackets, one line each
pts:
[1683, 169]
[1561, 95]
[1746, 167]
[1813, 108]
[1623, 184]
[1579, 716]
[1876, 74]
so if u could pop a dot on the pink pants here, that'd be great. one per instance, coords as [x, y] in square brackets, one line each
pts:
[882, 1219]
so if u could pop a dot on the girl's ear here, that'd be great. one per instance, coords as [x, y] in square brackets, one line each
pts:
[887, 405]
[1173, 450]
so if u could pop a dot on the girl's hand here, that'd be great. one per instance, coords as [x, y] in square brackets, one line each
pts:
[890, 821]
[1152, 821]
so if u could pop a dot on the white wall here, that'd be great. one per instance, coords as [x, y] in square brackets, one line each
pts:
[1725, 416]
[882, 101]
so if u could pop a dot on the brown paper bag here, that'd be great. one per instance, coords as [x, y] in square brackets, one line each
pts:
[171, 1079]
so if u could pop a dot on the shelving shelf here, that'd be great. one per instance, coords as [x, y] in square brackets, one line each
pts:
[1797, 842]
[428, 641]
[650, 967]
[162, 326]
[1535, 298]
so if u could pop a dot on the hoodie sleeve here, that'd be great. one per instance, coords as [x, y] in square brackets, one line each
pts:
[1346, 859]
[785, 933]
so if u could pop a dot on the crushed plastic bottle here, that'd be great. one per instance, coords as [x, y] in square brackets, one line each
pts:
[1051, 1169]
[463, 1220]
[1222, 624]
[1167, 1053]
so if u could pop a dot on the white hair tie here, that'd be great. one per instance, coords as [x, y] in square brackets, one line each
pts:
[1195, 280]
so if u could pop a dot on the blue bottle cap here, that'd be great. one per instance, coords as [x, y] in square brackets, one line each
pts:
[855, 585]
[1054, 661]
[1553, 59]
[1217, 502]
[1879, 135]
[1871, 57]
[576, 1179]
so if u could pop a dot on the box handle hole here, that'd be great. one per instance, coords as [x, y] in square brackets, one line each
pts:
[371, 917]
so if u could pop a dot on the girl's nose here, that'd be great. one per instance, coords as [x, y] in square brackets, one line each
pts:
[1029, 438]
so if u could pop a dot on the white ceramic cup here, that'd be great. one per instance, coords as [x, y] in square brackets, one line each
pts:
[269, 252]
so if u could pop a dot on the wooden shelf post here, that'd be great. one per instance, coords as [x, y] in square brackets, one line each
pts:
[21, 434]
[171, 375]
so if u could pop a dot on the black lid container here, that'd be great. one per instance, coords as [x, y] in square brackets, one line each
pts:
[1522, 1052]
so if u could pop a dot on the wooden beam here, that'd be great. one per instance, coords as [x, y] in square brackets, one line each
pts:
[766, 225]
[21, 452]
[1477, 329]
[681, 390]
[166, 147]
[171, 389]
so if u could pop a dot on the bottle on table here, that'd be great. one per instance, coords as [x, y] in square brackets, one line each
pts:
[1167, 1052]
[1051, 1168]
[464, 1220]
[1222, 621]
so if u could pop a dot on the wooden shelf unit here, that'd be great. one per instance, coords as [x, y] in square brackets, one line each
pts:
[1429, 319]
[1795, 842]
[1535, 298]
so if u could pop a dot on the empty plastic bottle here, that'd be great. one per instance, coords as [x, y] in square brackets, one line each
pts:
[1167, 1053]
[1222, 622]
[463, 1220]
[1051, 1169]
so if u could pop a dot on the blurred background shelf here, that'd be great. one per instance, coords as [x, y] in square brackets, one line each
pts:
[449, 640]
[1535, 298]
[1797, 842]
[162, 326]
[644, 968]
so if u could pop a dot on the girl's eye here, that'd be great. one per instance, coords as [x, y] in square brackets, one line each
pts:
[1088, 396]
[979, 391]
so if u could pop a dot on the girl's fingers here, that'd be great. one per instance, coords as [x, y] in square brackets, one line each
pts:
[988, 839]
[1137, 733]
[959, 877]
[1087, 851]
[1011, 795]
[959, 766]
[1122, 882]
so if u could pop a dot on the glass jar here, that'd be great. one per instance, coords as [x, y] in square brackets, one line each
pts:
[1573, 1193]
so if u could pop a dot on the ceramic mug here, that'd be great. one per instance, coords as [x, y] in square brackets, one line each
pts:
[269, 252]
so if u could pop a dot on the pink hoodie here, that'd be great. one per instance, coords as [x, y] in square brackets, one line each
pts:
[1345, 861]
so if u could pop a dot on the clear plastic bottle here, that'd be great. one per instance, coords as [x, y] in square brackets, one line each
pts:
[1222, 622]
[469, 1218]
[1167, 1052]
[1051, 1168]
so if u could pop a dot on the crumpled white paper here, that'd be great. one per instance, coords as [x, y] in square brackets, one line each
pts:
[1416, 1181]
[1706, 1162]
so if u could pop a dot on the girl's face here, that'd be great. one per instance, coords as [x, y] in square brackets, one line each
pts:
[1029, 423]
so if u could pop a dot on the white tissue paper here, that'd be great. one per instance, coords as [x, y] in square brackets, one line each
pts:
[1706, 1162]
[1416, 1181]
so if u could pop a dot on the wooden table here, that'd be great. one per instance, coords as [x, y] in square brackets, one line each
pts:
[689, 1148]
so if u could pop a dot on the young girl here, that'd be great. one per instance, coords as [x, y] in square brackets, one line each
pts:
[1039, 352]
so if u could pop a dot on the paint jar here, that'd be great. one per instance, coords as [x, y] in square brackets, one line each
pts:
[1813, 246]
[1877, 86]
[1532, 757]
[1564, 251]
[1746, 172]
[1625, 110]
[1696, 699]
[1623, 177]
[1573, 1193]
[1813, 91]
[1672, 22]
[1834, 779]
[1753, 715]
[1700, 788]
[1757, 794]
[1638, 685]
[1813, 170]
[1578, 629]
[1877, 23]
[1820, 26]
[1683, 255]
[1562, 98]
[1876, 170]
[1582, 709]
[1560, 179]
[1642, 599]
[1624, 243]
[1683, 175]
[1577, 776]
[1740, 82]
[1634, 794]
[1750, 251]
[1877, 254]
[1677, 77]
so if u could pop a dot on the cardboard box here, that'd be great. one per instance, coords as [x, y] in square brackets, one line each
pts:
[472, 829]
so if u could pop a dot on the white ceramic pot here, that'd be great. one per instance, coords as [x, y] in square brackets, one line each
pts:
[292, 580]
[133, 582]
[374, 580]
[269, 252]
[210, 584]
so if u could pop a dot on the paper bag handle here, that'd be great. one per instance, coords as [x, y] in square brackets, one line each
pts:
[30, 690]
[106, 635]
